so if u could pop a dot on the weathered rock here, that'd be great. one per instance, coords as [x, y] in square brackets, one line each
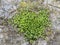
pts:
[56, 40]
[40, 42]
[9, 37]
[54, 7]
[8, 7]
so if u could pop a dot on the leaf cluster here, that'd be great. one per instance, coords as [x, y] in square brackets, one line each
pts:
[32, 25]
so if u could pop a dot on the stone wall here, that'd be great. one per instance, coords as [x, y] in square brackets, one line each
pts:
[54, 7]
[8, 35]
[8, 7]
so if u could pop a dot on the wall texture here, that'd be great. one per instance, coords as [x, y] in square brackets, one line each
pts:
[8, 35]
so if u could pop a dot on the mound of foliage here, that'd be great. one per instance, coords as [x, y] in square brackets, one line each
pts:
[31, 24]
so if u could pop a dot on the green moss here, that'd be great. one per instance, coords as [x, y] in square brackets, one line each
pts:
[32, 25]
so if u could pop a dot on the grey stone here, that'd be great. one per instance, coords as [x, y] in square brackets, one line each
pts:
[55, 19]
[9, 37]
[8, 6]
[40, 42]
[56, 40]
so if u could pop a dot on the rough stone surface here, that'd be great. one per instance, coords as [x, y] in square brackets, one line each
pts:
[55, 15]
[41, 42]
[56, 40]
[9, 37]
[54, 6]
[8, 7]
